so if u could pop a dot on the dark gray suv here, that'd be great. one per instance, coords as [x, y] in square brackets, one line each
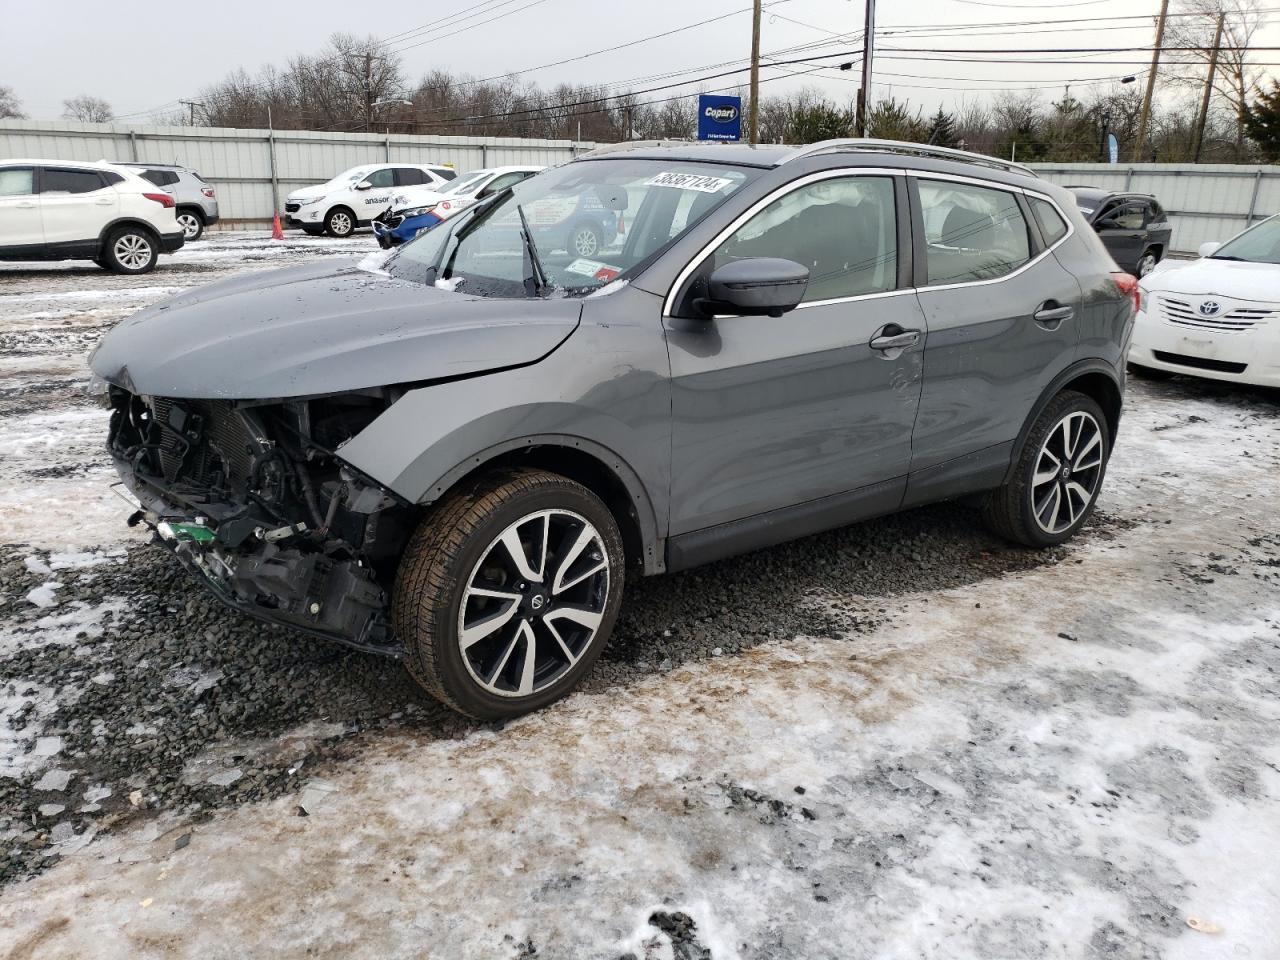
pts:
[456, 455]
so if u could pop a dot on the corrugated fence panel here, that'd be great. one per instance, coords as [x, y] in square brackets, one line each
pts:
[1204, 201]
[238, 162]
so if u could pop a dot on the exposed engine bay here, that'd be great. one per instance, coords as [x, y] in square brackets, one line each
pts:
[253, 497]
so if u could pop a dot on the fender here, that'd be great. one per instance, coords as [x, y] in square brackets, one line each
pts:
[641, 504]
[128, 222]
[1092, 365]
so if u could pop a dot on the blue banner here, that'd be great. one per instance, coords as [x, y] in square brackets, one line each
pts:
[1113, 148]
[719, 118]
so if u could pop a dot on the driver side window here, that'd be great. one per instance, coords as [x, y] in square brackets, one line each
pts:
[381, 178]
[843, 229]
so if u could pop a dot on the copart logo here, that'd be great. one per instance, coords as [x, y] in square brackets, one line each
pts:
[721, 114]
[1210, 308]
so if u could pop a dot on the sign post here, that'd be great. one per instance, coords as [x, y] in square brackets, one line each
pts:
[719, 118]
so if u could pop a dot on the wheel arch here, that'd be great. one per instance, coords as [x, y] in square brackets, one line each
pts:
[192, 208]
[119, 222]
[1096, 379]
[341, 206]
[591, 464]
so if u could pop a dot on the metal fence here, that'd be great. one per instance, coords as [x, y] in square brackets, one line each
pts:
[253, 170]
[1204, 201]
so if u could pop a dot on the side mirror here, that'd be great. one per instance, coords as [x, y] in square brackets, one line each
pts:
[757, 286]
[364, 185]
[1210, 248]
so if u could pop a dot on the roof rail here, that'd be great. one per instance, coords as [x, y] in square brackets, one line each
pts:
[608, 148]
[854, 144]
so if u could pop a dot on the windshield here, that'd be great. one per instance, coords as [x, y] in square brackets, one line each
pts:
[348, 176]
[1261, 244]
[464, 183]
[589, 222]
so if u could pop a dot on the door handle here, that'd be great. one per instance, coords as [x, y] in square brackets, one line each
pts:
[104, 201]
[893, 337]
[1050, 314]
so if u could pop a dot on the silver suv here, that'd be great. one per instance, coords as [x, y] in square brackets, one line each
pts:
[197, 201]
[459, 455]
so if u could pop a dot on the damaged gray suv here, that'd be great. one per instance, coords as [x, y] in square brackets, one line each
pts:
[457, 455]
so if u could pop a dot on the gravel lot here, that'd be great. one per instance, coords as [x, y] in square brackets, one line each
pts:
[901, 739]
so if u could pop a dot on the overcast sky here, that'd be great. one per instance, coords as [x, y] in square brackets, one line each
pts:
[143, 58]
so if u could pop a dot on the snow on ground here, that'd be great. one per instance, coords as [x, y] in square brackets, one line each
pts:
[1076, 760]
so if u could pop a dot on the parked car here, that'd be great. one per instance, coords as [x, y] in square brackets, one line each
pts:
[355, 196]
[420, 208]
[458, 453]
[61, 210]
[197, 202]
[1133, 226]
[1216, 317]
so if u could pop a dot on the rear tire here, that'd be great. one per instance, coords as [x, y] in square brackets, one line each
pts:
[130, 250]
[192, 225]
[339, 222]
[1146, 263]
[471, 613]
[1058, 476]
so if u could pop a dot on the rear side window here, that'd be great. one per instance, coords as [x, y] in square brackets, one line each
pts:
[445, 173]
[154, 176]
[16, 181]
[843, 229]
[410, 177]
[1156, 211]
[971, 233]
[1052, 227]
[53, 180]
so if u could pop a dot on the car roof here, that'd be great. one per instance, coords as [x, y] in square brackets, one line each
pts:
[86, 164]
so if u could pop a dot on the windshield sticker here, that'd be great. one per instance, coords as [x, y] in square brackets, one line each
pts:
[1087, 210]
[593, 269]
[689, 181]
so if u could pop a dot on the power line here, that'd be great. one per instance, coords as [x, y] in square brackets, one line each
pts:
[434, 38]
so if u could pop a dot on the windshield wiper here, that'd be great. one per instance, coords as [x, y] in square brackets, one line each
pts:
[538, 280]
[1214, 256]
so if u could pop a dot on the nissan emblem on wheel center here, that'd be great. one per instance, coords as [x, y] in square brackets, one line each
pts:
[719, 118]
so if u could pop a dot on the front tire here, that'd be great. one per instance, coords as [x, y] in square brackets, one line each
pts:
[1058, 475]
[1146, 263]
[340, 222]
[130, 250]
[507, 593]
[192, 225]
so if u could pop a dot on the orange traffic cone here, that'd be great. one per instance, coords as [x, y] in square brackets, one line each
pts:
[277, 232]
[622, 224]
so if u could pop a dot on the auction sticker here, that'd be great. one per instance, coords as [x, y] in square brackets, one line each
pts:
[689, 181]
[592, 268]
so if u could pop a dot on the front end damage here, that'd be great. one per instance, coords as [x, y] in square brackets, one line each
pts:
[253, 499]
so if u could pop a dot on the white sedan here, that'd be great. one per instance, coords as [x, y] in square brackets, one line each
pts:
[1216, 317]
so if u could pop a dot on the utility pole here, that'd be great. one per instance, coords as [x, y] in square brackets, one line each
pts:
[1208, 90]
[753, 128]
[1145, 116]
[190, 104]
[868, 50]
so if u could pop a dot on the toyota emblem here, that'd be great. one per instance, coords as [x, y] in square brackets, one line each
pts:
[1210, 308]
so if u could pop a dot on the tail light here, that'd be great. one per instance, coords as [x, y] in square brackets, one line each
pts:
[207, 191]
[161, 198]
[1128, 285]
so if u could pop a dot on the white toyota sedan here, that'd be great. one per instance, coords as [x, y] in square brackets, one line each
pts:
[1218, 316]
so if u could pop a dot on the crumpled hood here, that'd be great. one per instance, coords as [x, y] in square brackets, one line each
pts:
[1217, 278]
[322, 328]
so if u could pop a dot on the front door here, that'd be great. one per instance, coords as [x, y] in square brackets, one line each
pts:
[20, 224]
[769, 413]
[1123, 230]
[374, 193]
[1003, 322]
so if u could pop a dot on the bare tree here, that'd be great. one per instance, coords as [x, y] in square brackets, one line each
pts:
[87, 108]
[9, 105]
[1236, 80]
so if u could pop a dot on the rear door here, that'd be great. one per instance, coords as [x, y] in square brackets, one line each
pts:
[75, 204]
[1002, 320]
[20, 224]
[770, 412]
[1159, 230]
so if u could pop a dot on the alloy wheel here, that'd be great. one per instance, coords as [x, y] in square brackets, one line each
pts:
[534, 603]
[585, 243]
[132, 251]
[1146, 264]
[1067, 473]
[340, 224]
[190, 225]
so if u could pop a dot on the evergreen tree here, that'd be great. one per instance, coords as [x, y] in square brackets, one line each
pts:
[942, 130]
[1262, 122]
